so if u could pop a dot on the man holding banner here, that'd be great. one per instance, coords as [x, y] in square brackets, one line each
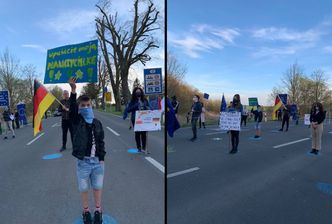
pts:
[65, 121]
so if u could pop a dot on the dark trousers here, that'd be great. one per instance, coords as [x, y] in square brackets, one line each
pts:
[200, 123]
[194, 121]
[235, 139]
[66, 125]
[244, 119]
[140, 137]
[285, 120]
[17, 122]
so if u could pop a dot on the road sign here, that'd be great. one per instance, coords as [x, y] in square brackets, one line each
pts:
[108, 97]
[152, 81]
[4, 98]
[78, 60]
[253, 101]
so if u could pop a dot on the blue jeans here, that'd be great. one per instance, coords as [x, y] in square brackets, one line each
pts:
[90, 171]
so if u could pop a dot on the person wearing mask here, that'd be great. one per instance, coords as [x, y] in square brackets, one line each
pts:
[317, 117]
[65, 121]
[202, 117]
[175, 105]
[285, 119]
[17, 119]
[89, 149]
[8, 122]
[196, 110]
[139, 102]
[236, 106]
[258, 119]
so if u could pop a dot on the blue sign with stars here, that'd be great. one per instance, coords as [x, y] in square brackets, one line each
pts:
[4, 98]
[153, 81]
[77, 60]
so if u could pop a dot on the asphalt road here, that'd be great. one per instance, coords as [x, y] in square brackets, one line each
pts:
[266, 182]
[33, 190]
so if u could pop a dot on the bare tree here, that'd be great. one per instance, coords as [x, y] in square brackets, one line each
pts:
[29, 74]
[9, 70]
[174, 67]
[131, 42]
[319, 85]
[102, 80]
[292, 82]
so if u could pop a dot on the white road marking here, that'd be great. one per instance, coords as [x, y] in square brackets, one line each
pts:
[214, 133]
[330, 132]
[290, 143]
[29, 143]
[114, 132]
[156, 164]
[182, 172]
[55, 125]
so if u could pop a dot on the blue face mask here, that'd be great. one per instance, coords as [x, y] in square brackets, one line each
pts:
[87, 114]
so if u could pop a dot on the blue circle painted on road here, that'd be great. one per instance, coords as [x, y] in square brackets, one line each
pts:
[256, 139]
[311, 154]
[52, 156]
[325, 188]
[107, 219]
[133, 151]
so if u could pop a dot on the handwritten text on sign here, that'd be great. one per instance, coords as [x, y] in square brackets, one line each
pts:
[230, 121]
[147, 120]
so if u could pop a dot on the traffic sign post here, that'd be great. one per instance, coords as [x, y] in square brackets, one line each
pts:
[152, 81]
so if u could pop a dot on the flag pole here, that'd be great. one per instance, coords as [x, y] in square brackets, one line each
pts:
[59, 102]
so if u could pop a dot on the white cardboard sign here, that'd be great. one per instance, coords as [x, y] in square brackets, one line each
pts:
[230, 121]
[147, 120]
[307, 119]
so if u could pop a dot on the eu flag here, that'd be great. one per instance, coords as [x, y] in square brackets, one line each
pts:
[172, 122]
[223, 104]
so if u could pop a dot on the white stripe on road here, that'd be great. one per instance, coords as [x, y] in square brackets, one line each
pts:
[54, 125]
[214, 133]
[290, 143]
[35, 138]
[156, 164]
[114, 132]
[330, 132]
[182, 172]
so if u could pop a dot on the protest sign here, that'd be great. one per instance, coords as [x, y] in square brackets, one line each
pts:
[147, 120]
[77, 60]
[4, 98]
[230, 121]
[253, 101]
[152, 81]
[307, 119]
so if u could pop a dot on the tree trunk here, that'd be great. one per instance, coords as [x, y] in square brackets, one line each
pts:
[125, 87]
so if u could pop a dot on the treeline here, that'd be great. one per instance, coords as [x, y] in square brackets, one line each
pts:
[304, 88]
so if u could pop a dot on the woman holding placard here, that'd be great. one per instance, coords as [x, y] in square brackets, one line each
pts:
[317, 117]
[138, 102]
[236, 106]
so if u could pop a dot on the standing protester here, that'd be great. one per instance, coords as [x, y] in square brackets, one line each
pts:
[138, 102]
[236, 106]
[65, 121]
[175, 105]
[8, 121]
[196, 110]
[317, 117]
[202, 117]
[89, 149]
[285, 119]
[258, 119]
[244, 116]
[17, 119]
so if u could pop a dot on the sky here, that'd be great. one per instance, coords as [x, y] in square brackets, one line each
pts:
[29, 28]
[245, 47]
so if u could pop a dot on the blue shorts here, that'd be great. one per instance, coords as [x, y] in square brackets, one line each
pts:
[90, 171]
[258, 126]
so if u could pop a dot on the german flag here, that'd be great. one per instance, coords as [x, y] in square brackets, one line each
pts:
[42, 100]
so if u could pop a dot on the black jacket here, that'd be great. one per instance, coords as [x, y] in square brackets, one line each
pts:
[82, 133]
[258, 115]
[197, 109]
[320, 117]
[6, 115]
[65, 114]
